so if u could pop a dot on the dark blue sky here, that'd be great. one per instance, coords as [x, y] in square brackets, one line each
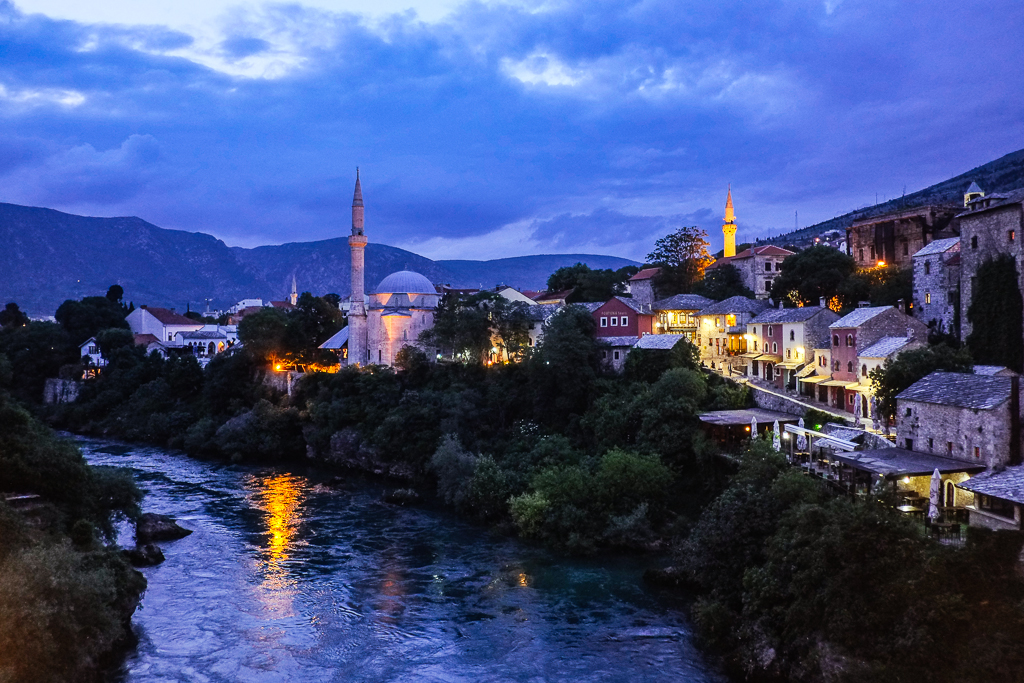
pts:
[489, 129]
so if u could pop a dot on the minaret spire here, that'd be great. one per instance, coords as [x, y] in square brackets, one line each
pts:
[729, 226]
[357, 342]
[295, 292]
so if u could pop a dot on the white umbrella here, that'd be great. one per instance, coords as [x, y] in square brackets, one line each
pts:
[801, 441]
[776, 440]
[753, 428]
[933, 495]
[874, 413]
[857, 405]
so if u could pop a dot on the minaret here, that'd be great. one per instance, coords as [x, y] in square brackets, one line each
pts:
[357, 310]
[729, 227]
[295, 292]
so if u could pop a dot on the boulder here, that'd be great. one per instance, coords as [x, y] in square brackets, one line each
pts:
[401, 497]
[152, 527]
[146, 555]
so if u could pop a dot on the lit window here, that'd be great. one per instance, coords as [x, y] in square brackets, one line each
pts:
[849, 340]
[1011, 235]
[927, 297]
[789, 353]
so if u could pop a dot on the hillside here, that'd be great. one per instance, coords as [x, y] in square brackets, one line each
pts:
[50, 256]
[1003, 174]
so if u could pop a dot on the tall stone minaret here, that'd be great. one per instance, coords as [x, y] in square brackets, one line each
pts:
[294, 298]
[357, 311]
[729, 227]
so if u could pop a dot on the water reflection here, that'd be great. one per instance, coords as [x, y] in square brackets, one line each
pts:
[280, 496]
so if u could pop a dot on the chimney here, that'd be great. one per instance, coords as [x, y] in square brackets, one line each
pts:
[863, 304]
[899, 305]
[1015, 458]
[821, 302]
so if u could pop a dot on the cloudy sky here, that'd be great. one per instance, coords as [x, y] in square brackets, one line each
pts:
[488, 129]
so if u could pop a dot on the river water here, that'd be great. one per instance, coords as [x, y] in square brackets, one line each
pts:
[286, 579]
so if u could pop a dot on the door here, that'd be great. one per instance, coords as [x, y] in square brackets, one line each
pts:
[949, 500]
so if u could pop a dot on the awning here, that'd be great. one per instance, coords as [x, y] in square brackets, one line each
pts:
[814, 379]
[809, 370]
[859, 387]
[769, 358]
[790, 364]
[838, 383]
[898, 462]
[751, 356]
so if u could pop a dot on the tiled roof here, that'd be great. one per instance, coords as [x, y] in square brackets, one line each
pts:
[973, 188]
[766, 250]
[589, 305]
[659, 341]
[787, 315]
[937, 247]
[541, 312]
[548, 296]
[645, 274]
[736, 304]
[631, 303]
[617, 341]
[338, 341]
[683, 302]
[959, 389]
[953, 260]
[282, 304]
[1007, 485]
[203, 334]
[899, 462]
[884, 347]
[860, 316]
[994, 201]
[145, 339]
[168, 317]
[990, 370]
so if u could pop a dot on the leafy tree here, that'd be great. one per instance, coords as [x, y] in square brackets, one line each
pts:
[812, 274]
[589, 284]
[264, 334]
[115, 294]
[682, 255]
[648, 365]
[884, 286]
[83, 319]
[908, 367]
[462, 326]
[332, 299]
[12, 316]
[996, 314]
[112, 339]
[36, 352]
[565, 366]
[721, 283]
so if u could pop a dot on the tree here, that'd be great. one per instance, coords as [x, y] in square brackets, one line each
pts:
[83, 319]
[906, 368]
[462, 326]
[115, 294]
[112, 339]
[995, 314]
[815, 273]
[263, 334]
[565, 366]
[721, 283]
[12, 316]
[36, 352]
[589, 284]
[682, 255]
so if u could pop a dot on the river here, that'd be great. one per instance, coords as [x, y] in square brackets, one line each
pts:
[286, 579]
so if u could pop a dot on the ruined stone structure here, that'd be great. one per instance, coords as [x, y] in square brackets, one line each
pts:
[892, 239]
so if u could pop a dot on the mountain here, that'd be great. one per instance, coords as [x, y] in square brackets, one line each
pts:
[1004, 174]
[49, 256]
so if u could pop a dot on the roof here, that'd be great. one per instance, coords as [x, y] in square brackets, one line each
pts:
[645, 274]
[203, 334]
[959, 389]
[788, 315]
[405, 282]
[663, 342]
[973, 188]
[885, 347]
[991, 370]
[339, 340]
[282, 304]
[938, 247]
[560, 295]
[953, 260]
[1007, 485]
[899, 462]
[92, 340]
[683, 302]
[736, 304]
[994, 201]
[541, 312]
[743, 417]
[589, 305]
[169, 317]
[145, 339]
[617, 341]
[766, 250]
[860, 316]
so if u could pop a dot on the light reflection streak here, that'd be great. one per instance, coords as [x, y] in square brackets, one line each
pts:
[280, 497]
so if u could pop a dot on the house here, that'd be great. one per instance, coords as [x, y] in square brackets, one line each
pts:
[539, 314]
[679, 314]
[722, 331]
[998, 499]
[816, 372]
[891, 239]
[857, 330]
[779, 339]
[615, 349]
[874, 357]
[937, 283]
[162, 323]
[641, 286]
[560, 297]
[90, 353]
[151, 344]
[207, 342]
[514, 295]
[758, 267]
[620, 317]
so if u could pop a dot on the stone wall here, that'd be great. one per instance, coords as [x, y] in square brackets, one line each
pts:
[769, 400]
[964, 428]
[984, 236]
[60, 391]
[940, 282]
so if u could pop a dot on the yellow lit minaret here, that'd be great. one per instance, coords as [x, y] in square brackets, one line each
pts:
[729, 227]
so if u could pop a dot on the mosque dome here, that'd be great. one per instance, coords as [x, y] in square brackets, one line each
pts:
[405, 282]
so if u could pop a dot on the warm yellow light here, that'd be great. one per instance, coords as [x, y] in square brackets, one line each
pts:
[747, 428]
[906, 480]
[881, 264]
[278, 367]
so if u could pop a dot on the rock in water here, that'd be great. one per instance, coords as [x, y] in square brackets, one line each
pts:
[145, 555]
[402, 497]
[152, 527]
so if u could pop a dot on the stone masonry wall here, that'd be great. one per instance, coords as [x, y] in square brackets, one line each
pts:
[965, 428]
[941, 282]
[991, 230]
[60, 391]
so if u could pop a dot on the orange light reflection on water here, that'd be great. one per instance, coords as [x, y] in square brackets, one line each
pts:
[279, 496]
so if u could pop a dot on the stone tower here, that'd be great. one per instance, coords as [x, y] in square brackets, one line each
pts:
[294, 298]
[973, 192]
[729, 227]
[357, 311]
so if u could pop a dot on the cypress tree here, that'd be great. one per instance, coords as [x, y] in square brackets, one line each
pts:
[996, 314]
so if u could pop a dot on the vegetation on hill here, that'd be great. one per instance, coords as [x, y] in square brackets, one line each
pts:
[821, 272]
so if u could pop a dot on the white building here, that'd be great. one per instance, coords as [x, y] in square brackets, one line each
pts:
[162, 323]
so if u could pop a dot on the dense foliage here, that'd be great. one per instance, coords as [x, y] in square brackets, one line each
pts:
[996, 315]
[721, 283]
[682, 256]
[798, 585]
[814, 273]
[588, 284]
[468, 326]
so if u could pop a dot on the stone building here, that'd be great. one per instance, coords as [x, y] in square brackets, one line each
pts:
[992, 225]
[779, 339]
[680, 314]
[891, 239]
[721, 336]
[641, 286]
[967, 417]
[758, 267]
[937, 283]
[998, 499]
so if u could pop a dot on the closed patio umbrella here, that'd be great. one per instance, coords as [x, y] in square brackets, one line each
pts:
[933, 495]
[753, 428]
[874, 414]
[776, 439]
[857, 405]
[801, 441]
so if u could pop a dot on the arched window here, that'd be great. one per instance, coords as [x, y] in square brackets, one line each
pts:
[864, 371]
[211, 349]
[835, 365]
[835, 340]
[849, 340]
[792, 335]
[775, 347]
[849, 366]
[789, 353]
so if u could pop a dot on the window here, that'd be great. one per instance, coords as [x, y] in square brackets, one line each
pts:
[789, 353]
[625, 321]
[615, 321]
[93, 349]
[977, 451]
[860, 254]
[768, 267]
[864, 370]
[949, 447]
[910, 444]
[906, 248]
[768, 283]
[835, 365]
[930, 443]
[849, 340]
[792, 335]
[778, 267]
[775, 347]
[1011, 235]
[604, 321]
[997, 506]
[616, 355]
[908, 412]
[974, 242]
[821, 361]
[951, 297]
[604, 354]
[718, 322]
[755, 346]
[927, 267]
[380, 355]
[755, 331]
[530, 341]
[872, 253]
[835, 340]
[927, 297]
[849, 366]
[771, 331]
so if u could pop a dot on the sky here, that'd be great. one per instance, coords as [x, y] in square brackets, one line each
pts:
[486, 129]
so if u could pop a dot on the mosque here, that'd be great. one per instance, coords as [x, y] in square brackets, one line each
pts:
[396, 312]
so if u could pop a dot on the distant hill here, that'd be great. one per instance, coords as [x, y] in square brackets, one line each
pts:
[49, 256]
[1003, 174]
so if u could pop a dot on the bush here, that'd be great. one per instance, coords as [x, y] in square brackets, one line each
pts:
[454, 467]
